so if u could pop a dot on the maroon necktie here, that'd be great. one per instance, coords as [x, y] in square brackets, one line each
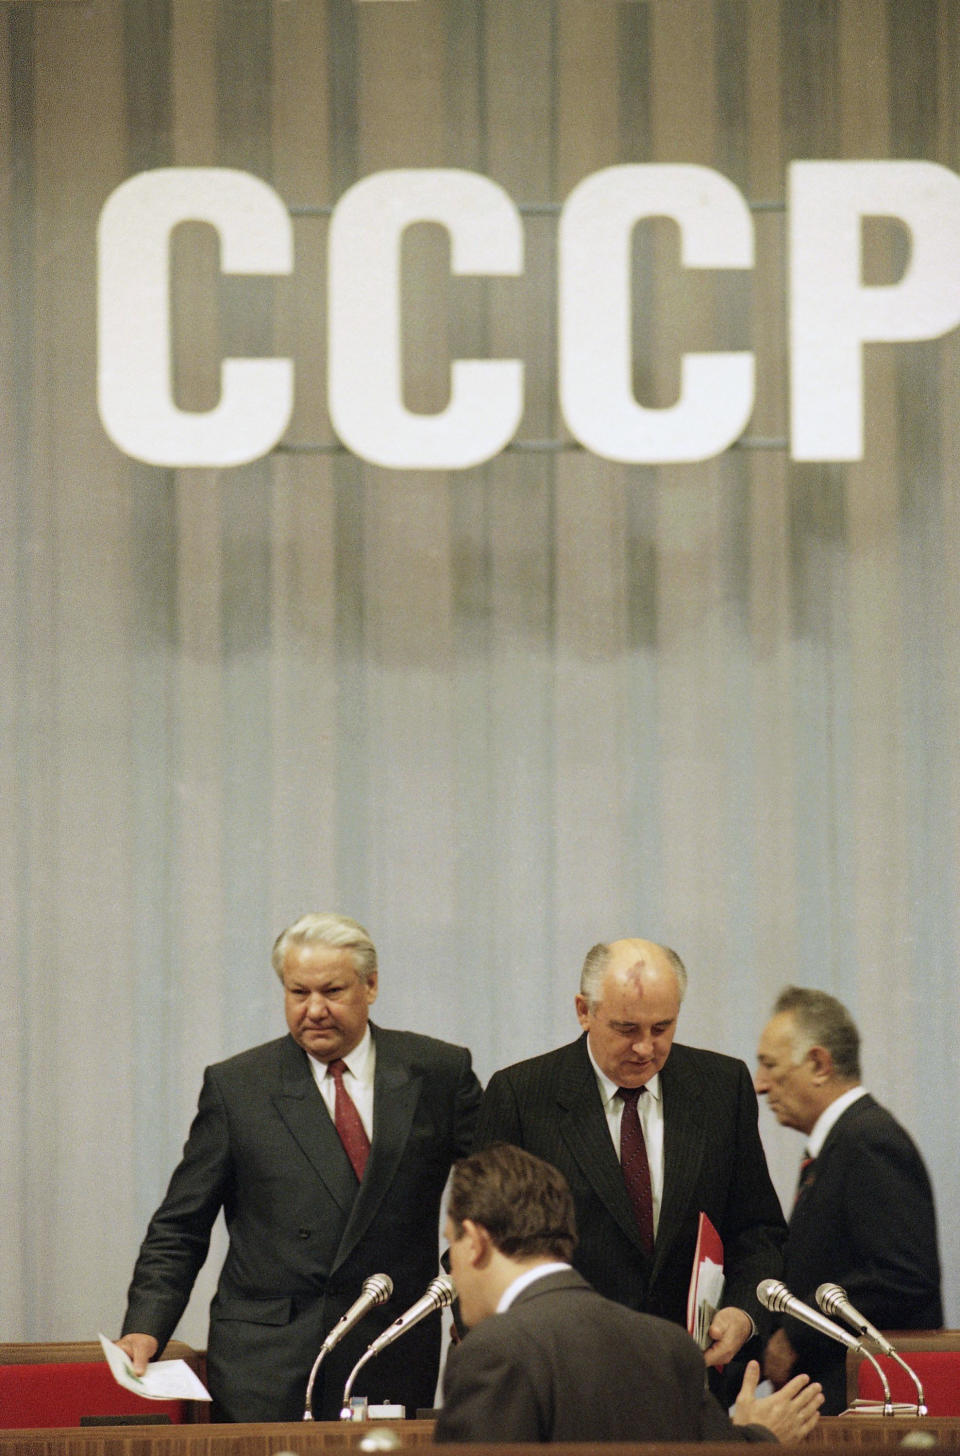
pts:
[346, 1119]
[805, 1178]
[633, 1162]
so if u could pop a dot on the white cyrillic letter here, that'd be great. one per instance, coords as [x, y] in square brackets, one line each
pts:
[134, 369]
[716, 396]
[365, 387]
[832, 313]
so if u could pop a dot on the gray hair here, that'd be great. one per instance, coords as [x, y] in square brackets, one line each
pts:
[327, 928]
[822, 1020]
[595, 968]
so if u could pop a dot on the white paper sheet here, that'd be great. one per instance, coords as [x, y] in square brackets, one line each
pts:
[164, 1379]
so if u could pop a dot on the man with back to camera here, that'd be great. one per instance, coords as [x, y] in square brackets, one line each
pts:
[648, 1134]
[864, 1214]
[328, 1150]
[546, 1358]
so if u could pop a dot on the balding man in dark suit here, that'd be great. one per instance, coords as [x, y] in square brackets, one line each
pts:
[697, 1116]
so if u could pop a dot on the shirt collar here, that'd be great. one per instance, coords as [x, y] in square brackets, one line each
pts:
[829, 1116]
[359, 1062]
[609, 1090]
[539, 1271]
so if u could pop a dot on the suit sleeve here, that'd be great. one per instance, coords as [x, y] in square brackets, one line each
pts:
[488, 1397]
[466, 1107]
[753, 1228]
[499, 1120]
[178, 1237]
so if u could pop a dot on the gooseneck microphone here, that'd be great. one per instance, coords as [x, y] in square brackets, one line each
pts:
[438, 1294]
[375, 1290]
[833, 1300]
[776, 1297]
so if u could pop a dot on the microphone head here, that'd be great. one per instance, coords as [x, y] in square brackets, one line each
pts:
[831, 1298]
[443, 1290]
[378, 1287]
[773, 1295]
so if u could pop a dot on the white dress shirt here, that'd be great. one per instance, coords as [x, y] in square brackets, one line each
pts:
[650, 1112]
[829, 1116]
[357, 1080]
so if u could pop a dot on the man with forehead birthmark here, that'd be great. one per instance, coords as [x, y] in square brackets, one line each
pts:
[649, 1134]
[328, 1150]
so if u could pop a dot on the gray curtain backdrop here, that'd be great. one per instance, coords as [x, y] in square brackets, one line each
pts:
[495, 715]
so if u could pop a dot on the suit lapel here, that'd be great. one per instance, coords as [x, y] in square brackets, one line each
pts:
[396, 1092]
[303, 1110]
[683, 1143]
[583, 1127]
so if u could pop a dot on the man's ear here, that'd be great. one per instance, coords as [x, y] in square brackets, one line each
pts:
[821, 1062]
[477, 1241]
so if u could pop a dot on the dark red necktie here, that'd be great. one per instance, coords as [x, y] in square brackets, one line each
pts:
[346, 1119]
[805, 1178]
[633, 1162]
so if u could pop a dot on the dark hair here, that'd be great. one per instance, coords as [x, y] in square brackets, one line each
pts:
[524, 1203]
[822, 1020]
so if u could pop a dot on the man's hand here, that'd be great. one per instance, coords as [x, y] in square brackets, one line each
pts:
[140, 1349]
[730, 1330]
[790, 1413]
[779, 1359]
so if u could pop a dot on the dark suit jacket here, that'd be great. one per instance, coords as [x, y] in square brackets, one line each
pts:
[713, 1162]
[865, 1220]
[563, 1364]
[302, 1236]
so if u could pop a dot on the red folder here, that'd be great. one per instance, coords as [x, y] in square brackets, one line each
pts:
[706, 1282]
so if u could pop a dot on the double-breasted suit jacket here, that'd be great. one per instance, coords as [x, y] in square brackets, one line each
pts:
[713, 1163]
[302, 1235]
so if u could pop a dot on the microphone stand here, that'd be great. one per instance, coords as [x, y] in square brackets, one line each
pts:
[921, 1400]
[833, 1300]
[439, 1293]
[919, 1409]
[376, 1290]
[345, 1413]
[308, 1401]
[886, 1407]
[776, 1297]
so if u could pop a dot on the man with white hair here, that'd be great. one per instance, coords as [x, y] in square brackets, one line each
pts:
[328, 1150]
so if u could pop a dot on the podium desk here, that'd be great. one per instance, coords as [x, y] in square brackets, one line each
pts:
[305, 1438]
[833, 1434]
[844, 1433]
[58, 1383]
